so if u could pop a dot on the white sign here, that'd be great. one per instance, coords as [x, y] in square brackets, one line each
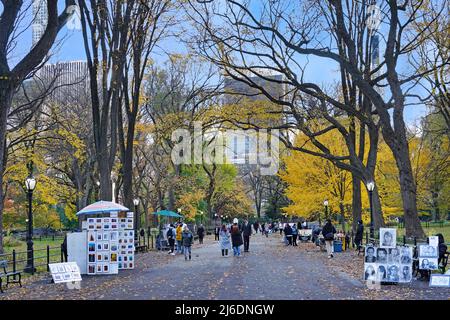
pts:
[440, 280]
[65, 272]
[433, 241]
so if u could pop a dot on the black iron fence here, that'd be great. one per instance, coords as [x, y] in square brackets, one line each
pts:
[18, 260]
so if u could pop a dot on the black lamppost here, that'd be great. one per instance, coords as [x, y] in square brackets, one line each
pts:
[136, 219]
[30, 184]
[370, 187]
[325, 203]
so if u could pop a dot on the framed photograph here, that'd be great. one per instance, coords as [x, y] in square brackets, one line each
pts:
[107, 226]
[123, 220]
[91, 236]
[130, 258]
[91, 269]
[105, 246]
[120, 265]
[125, 265]
[99, 236]
[370, 256]
[53, 269]
[91, 227]
[99, 220]
[405, 273]
[114, 226]
[99, 257]
[440, 280]
[106, 257]
[130, 214]
[130, 265]
[405, 255]
[120, 258]
[99, 247]
[106, 268]
[382, 255]
[428, 263]
[130, 251]
[394, 255]
[113, 257]
[388, 237]
[91, 257]
[113, 215]
[61, 269]
[91, 220]
[99, 268]
[123, 226]
[433, 241]
[130, 226]
[98, 227]
[393, 273]
[114, 247]
[131, 233]
[114, 220]
[58, 277]
[75, 268]
[114, 236]
[106, 220]
[105, 236]
[381, 272]
[427, 251]
[67, 276]
[91, 246]
[76, 276]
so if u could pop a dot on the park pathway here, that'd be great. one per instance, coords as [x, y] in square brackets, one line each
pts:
[270, 270]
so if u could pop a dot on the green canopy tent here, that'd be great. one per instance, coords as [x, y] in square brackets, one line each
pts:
[168, 213]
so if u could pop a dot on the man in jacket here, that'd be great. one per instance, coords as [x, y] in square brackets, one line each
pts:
[171, 238]
[187, 239]
[328, 232]
[179, 238]
[359, 234]
[201, 234]
[288, 234]
[246, 232]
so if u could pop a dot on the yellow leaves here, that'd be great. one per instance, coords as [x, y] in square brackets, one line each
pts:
[189, 202]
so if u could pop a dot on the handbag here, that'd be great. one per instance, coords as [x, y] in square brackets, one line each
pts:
[329, 236]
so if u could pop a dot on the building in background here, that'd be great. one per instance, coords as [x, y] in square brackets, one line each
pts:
[40, 20]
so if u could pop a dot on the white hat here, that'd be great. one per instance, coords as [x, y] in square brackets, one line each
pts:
[235, 220]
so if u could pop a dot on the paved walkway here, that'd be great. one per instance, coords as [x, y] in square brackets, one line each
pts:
[269, 271]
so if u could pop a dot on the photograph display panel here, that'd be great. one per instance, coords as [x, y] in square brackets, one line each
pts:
[388, 237]
[104, 245]
[388, 264]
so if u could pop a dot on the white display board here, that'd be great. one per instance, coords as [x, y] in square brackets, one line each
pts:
[440, 280]
[388, 264]
[110, 245]
[65, 272]
[76, 249]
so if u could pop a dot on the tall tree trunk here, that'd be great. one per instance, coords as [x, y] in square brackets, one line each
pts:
[408, 190]
[6, 95]
[356, 201]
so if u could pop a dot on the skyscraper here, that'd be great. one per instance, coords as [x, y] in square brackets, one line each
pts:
[40, 19]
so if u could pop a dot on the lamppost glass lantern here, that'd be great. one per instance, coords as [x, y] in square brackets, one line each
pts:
[30, 183]
[370, 188]
[325, 203]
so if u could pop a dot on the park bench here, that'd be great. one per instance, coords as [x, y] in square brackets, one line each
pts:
[141, 248]
[5, 273]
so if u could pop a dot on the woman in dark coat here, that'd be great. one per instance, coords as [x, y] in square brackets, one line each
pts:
[359, 234]
[201, 234]
[236, 238]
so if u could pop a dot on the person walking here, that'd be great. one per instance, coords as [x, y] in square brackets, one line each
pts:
[328, 232]
[188, 239]
[359, 234]
[216, 233]
[256, 226]
[280, 228]
[294, 235]
[246, 232]
[236, 238]
[288, 234]
[201, 233]
[179, 238]
[171, 234]
[224, 240]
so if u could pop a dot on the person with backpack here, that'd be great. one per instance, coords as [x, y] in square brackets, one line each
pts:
[328, 232]
[246, 232]
[201, 234]
[236, 238]
[187, 239]
[171, 233]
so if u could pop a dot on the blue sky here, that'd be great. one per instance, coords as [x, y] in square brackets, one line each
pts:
[70, 47]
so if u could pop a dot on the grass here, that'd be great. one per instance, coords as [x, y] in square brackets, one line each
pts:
[431, 230]
[40, 252]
